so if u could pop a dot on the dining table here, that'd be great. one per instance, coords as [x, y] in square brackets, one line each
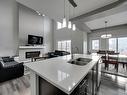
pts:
[122, 58]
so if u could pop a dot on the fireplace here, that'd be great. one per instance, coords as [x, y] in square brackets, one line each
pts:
[32, 54]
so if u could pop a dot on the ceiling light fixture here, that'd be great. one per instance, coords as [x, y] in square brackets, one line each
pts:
[38, 13]
[64, 24]
[69, 22]
[43, 15]
[74, 26]
[106, 35]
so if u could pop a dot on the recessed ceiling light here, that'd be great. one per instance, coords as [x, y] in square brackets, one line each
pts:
[43, 15]
[38, 13]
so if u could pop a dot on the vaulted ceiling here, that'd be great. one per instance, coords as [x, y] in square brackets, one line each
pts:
[54, 8]
[113, 20]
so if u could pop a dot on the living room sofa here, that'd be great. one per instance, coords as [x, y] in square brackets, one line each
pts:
[10, 69]
[57, 53]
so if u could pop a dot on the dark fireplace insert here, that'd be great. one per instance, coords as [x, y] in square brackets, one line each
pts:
[32, 54]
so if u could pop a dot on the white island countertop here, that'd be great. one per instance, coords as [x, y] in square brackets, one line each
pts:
[62, 74]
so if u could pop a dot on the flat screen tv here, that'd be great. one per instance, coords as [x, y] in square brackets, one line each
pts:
[35, 40]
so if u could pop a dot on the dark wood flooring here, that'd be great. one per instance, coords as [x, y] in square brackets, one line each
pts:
[110, 85]
[113, 85]
[19, 86]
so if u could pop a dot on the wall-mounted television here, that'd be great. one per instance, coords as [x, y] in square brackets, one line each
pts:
[35, 40]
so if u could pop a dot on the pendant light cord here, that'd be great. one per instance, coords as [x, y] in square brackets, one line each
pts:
[73, 12]
[64, 8]
[69, 12]
[106, 27]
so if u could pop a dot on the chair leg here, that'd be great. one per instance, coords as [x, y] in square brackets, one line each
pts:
[116, 66]
[123, 66]
[105, 66]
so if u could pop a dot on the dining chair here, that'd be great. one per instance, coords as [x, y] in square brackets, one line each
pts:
[103, 53]
[113, 59]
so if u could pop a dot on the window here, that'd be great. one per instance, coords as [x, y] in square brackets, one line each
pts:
[64, 45]
[59, 47]
[59, 25]
[95, 44]
[122, 45]
[118, 45]
[113, 44]
[68, 46]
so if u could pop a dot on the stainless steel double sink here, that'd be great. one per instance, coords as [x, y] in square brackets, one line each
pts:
[80, 61]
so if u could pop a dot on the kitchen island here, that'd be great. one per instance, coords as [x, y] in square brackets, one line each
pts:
[60, 73]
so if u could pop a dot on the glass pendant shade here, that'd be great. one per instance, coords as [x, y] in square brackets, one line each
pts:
[69, 25]
[64, 24]
[106, 36]
[74, 27]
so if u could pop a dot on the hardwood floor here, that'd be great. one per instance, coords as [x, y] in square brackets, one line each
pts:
[113, 85]
[110, 85]
[121, 71]
[20, 86]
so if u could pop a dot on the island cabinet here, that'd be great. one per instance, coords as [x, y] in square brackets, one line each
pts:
[56, 76]
[84, 87]
[88, 86]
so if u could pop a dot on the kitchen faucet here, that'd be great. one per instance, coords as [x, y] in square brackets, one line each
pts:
[72, 53]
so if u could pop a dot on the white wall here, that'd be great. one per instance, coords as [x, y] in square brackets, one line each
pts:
[8, 28]
[77, 38]
[48, 34]
[117, 31]
[31, 23]
[85, 42]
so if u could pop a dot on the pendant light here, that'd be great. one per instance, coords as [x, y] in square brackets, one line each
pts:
[73, 26]
[69, 22]
[106, 35]
[64, 24]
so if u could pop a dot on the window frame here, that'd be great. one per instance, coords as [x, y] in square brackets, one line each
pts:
[116, 49]
[66, 47]
[117, 43]
[98, 44]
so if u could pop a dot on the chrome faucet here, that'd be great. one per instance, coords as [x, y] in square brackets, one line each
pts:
[72, 54]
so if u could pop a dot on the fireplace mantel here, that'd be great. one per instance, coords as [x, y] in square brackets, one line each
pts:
[32, 47]
[24, 49]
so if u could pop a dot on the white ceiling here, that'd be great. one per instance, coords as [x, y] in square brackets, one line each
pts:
[113, 20]
[54, 8]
